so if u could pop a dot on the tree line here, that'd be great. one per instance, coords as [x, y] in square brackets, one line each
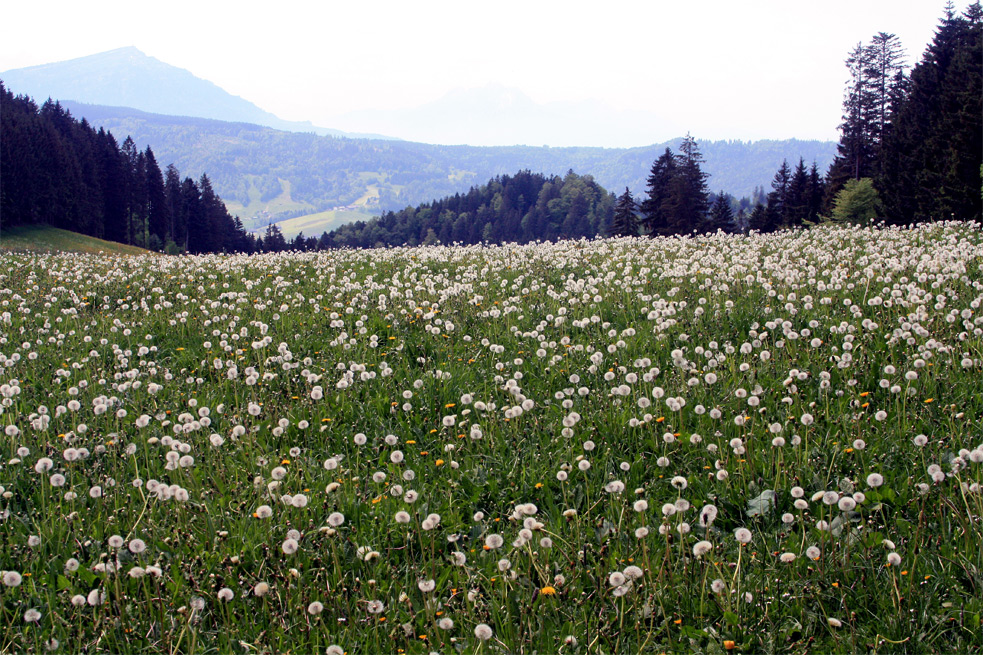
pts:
[516, 208]
[62, 172]
[911, 150]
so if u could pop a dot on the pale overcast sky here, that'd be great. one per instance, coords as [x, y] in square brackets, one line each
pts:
[718, 68]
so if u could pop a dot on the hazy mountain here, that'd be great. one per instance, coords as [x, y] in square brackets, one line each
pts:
[281, 174]
[496, 115]
[126, 77]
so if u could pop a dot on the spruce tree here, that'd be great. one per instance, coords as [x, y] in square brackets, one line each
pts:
[856, 149]
[886, 62]
[799, 196]
[721, 215]
[653, 208]
[689, 197]
[158, 211]
[625, 221]
[817, 189]
[778, 200]
[761, 220]
[934, 150]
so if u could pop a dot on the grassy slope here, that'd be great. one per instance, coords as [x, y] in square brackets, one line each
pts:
[282, 203]
[42, 238]
[312, 225]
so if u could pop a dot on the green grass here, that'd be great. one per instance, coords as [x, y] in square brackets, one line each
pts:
[43, 238]
[586, 402]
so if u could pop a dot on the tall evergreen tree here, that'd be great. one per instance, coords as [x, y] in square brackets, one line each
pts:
[653, 208]
[134, 204]
[762, 220]
[856, 149]
[886, 60]
[721, 214]
[778, 200]
[817, 189]
[273, 240]
[689, 197]
[799, 196]
[114, 190]
[178, 232]
[934, 149]
[158, 211]
[198, 232]
[625, 221]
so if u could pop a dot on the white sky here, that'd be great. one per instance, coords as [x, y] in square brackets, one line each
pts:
[722, 69]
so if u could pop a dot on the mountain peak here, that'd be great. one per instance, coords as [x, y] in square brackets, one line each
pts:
[128, 77]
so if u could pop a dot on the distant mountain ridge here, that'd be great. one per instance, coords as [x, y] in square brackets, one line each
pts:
[126, 77]
[252, 166]
[267, 169]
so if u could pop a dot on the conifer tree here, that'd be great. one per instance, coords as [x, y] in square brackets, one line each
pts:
[761, 220]
[856, 149]
[778, 199]
[721, 214]
[158, 211]
[653, 208]
[799, 196]
[688, 199]
[625, 221]
[817, 189]
[934, 148]
[273, 240]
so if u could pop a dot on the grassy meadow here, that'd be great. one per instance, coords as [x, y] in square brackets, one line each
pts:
[44, 238]
[313, 225]
[687, 445]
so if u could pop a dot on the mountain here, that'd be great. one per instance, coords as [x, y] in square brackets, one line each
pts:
[265, 174]
[126, 77]
[496, 114]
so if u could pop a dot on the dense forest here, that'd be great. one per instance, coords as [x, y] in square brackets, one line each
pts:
[62, 172]
[911, 146]
[518, 208]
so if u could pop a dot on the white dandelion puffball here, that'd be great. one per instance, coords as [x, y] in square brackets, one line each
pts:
[483, 631]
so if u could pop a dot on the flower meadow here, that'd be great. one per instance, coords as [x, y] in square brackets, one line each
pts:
[721, 443]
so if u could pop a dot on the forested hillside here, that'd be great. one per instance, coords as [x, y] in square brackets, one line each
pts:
[61, 172]
[510, 208]
[247, 162]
